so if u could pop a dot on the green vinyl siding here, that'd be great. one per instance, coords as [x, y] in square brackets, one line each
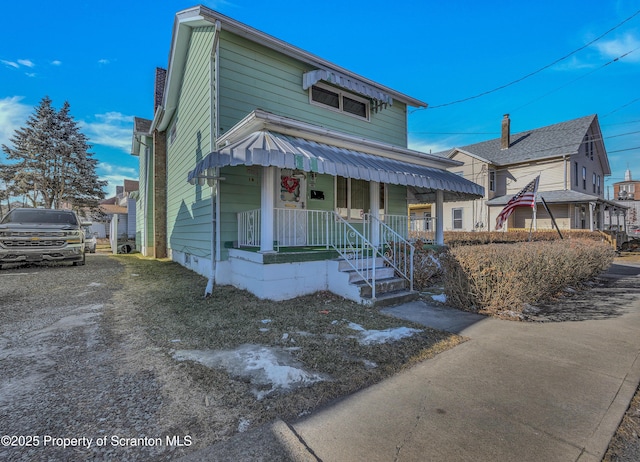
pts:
[189, 207]
[253, 76]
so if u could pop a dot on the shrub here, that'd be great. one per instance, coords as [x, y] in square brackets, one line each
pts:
[457, 238]
[427, 267]
[495, 278]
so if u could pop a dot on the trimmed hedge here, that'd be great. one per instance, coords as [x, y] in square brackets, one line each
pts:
[496, 278]
[457, 238]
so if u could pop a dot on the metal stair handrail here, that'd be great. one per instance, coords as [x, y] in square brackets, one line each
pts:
[355, 249]
[396, 251]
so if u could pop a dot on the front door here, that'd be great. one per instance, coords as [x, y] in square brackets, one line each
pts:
[291, 218]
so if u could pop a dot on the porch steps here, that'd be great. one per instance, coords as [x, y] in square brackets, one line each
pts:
[390, 290]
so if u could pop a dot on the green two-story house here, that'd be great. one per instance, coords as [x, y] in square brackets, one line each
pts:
[273, 170]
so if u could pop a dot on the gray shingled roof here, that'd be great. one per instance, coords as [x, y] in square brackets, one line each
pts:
[541, 143]
[141, 126]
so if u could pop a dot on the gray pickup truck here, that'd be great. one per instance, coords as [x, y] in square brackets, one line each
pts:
[34, 235]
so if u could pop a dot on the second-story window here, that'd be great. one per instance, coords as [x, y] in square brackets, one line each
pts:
[492, 180]
[339, 100]
[584, 177]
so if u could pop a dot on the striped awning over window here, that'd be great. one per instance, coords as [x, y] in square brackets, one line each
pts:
[266, 148]
[356, 86]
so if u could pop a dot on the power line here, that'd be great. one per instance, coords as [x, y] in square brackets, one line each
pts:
[576, 79]
[621, 107]
[531, 73]
[628, 149]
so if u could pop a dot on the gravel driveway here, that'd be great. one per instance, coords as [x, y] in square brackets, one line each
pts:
[66, 376]
[80, 381]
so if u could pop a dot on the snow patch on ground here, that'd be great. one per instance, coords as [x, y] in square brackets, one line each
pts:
[442, 298]
[368, 337]
[267, 369]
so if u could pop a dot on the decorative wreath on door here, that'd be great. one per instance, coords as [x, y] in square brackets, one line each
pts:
[290, 184]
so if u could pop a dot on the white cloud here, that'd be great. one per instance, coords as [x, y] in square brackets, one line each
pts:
[26, 63]
[103, 61]
[111, 129]
[615, 48]
[56, 62]
[115, 176]
[13, 115]
[10, 63]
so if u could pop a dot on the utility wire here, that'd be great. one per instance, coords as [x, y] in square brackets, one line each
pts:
[575, 80]
[621, 107]
[531, 73]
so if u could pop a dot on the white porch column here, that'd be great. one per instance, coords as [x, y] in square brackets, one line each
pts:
[374, 203]
[267, 201]
[592, 206]
[439, 217]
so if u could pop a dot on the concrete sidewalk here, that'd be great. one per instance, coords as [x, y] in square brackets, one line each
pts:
[513, 392]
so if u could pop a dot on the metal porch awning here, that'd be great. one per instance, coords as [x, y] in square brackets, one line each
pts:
[266, 148]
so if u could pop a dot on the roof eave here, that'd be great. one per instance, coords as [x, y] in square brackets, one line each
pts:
[201, 16]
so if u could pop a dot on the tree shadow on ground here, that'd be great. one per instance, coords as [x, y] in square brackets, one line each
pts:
[609, 296]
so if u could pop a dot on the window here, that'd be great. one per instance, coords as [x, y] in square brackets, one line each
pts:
[339, 100]
[353, 199]
[492, 180]
[575, 172]
[588, 141]
[457, 218]
[593, 179]
[598, 184]
[584, 177]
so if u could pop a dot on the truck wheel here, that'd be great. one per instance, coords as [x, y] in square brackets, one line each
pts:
[81, 262]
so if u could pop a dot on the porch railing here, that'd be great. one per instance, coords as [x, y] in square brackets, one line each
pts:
[359, 245]
[301, 227]
[359, 253]
[394, 248]
[422, 228]
[249, 223]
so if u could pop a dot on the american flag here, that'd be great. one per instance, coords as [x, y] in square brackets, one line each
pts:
[525, 197]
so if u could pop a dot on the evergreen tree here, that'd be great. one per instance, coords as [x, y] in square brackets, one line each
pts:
[52, 163]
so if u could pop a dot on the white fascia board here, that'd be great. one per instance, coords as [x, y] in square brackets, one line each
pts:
[254, 35]
[263, 120]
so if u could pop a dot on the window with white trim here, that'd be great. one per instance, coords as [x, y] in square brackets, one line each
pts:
[492, 180]
[339, 100]
[584, 178]
[456, 215]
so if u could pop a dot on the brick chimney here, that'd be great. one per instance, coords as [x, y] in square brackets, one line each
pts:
[506, 132]
[161, 75]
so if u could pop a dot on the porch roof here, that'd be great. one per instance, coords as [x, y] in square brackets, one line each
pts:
[267, 148]
[561, 197]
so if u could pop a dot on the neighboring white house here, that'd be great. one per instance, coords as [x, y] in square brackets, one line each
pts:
[570, 158]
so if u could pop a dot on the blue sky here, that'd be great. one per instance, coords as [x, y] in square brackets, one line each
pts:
[101, 58]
